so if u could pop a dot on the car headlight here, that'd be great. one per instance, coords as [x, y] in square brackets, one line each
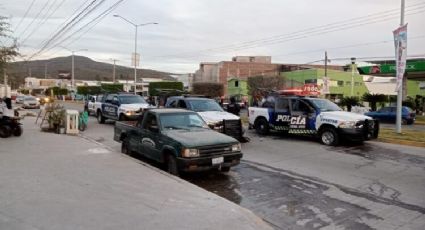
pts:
[347, 124]
[46, 99]
[190, 152]
[236, 148]
[129, 113]
[218, 126]
[38, 99]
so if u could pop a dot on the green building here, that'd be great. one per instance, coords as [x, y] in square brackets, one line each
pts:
[237, 88]
[339, 81]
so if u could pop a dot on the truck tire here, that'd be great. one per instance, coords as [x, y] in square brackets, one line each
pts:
[172, 165]
[125, 147]
[5, 131]
[225, 169]
[121, 117]
[262, 126]
[100, 118]
[329, 136]
[17, 132]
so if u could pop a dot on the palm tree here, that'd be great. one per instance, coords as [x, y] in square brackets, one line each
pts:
[373, 99]
[349, 102]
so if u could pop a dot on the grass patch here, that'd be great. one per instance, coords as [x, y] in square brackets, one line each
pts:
[408, 137]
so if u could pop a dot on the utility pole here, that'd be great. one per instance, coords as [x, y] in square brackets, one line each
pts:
[353, 63]
[5, 81]
[400, 90]
[45, 70]
[113, 71]
[326, 63]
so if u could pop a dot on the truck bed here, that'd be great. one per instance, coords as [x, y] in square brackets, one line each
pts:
[122, 127]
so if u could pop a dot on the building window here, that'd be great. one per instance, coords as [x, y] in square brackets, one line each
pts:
[340, 83]
[236, 83]
[348, 83]
[357, 83]
[310, 81]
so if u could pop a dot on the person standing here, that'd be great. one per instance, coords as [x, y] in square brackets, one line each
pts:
[233, 107]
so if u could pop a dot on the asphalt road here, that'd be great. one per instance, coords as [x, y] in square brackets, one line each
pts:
[297, 183]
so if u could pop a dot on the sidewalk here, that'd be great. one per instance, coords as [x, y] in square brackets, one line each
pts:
[50, 181]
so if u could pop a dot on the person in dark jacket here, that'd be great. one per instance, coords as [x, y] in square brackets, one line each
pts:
[233, 107]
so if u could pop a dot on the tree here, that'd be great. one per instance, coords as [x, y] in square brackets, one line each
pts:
[259, 84]
[209, 89]
[373, 99]
[349, 102]
[7, 53]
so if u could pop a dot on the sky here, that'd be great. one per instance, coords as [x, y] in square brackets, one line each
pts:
[193, 31]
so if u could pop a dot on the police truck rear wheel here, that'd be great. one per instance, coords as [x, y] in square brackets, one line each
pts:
[100, 118]
[261, 126]
[329, 136]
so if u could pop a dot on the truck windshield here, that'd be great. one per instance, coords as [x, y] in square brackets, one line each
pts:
[204, 105]
[132, 99]
[324, 105]
[181, 121]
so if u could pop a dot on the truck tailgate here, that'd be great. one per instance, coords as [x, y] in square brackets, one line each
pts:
[122, 127]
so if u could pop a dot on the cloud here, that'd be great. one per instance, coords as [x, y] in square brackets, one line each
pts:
[188, 28]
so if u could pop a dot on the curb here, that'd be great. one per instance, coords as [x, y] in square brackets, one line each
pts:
[402, 142]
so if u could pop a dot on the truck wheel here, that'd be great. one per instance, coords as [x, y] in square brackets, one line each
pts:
[329, 136]
[121, 118]
[5, 131]
[261, 126]
[172, 165]
[404, 121]
[125, 147]
[17, 132]
[100, 118]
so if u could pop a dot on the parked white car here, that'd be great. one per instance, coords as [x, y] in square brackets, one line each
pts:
[30, 102]
[20, 99]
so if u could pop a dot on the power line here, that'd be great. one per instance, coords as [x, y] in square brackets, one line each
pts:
[86, 11]
[47, 15]
[346, 46]
[25, 15]
[64, 22]
[302, 33]
[35, 18]
[95, 21]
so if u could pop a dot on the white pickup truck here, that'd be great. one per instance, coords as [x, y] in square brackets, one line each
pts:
[311, 116]
[211, 112]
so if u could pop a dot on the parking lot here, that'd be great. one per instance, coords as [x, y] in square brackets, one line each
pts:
[295, 182]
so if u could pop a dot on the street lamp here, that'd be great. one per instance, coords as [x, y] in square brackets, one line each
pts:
[72, 74]
[135, 45]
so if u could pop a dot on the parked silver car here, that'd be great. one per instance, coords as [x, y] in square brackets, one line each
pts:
[30, 103]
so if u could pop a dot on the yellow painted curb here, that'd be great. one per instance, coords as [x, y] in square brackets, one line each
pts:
[402, 142]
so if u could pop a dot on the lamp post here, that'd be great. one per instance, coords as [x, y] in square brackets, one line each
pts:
[73, 65]
[135, 45]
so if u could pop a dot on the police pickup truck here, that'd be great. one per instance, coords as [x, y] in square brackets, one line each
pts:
[311, 116]
[180, 139]
[120, 107]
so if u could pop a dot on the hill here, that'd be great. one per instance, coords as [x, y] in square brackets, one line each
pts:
[85, 69]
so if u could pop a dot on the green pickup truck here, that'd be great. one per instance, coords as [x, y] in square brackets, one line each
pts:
[179, 139]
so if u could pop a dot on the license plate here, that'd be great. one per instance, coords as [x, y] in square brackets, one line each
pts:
[217, 160]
